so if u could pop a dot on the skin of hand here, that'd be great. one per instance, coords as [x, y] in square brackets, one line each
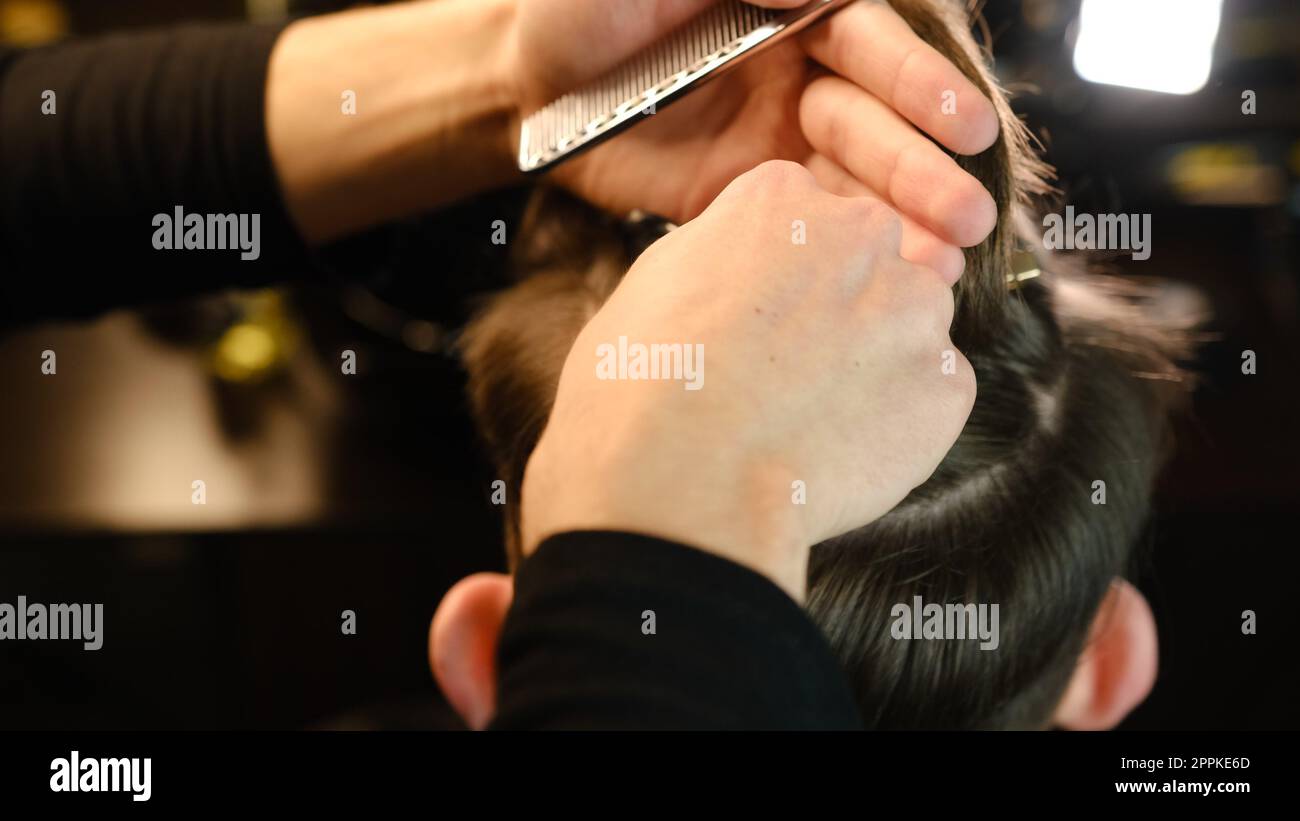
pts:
[848, 99]
[824, 363]
[440, 87]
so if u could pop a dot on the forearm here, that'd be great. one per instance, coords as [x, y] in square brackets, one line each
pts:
[433, 105]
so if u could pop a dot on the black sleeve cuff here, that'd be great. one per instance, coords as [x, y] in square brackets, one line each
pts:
[729, 649]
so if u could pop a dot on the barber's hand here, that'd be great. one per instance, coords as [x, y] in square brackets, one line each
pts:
[827, 377]
[853, 114]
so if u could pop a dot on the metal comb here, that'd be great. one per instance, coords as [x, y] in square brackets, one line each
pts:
[718, 39]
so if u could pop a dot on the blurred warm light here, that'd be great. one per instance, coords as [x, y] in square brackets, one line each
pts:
[267, 11]
[32, 22]
[1158, 45]
[245, 351]
[1040, 15]
[115, 441]
[1225, 174]
[253, 349]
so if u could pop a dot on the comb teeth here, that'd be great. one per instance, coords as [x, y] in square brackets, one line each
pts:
[718, 37]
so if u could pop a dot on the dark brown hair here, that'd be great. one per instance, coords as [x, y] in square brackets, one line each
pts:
[1076, 378]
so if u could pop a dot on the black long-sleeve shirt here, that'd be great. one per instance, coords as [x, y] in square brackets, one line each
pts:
[615, 630]
[99, 136]
[607, 630]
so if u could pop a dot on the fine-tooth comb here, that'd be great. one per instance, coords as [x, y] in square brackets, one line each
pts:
[718, 39]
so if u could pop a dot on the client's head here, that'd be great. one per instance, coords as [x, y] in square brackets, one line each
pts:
[1020, 540]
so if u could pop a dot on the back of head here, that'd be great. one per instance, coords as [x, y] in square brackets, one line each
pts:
[1076, 379]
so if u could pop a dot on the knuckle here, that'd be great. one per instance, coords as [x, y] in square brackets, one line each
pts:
[933, 298]
[966, 383]
[767, 186]
[942, 299]
[777, 175]
[962, 384]
[926, 302]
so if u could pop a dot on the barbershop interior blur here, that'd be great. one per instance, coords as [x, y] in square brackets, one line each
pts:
[372, 493]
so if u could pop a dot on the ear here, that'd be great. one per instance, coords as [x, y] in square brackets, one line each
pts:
[1118, 665]
[463, 644]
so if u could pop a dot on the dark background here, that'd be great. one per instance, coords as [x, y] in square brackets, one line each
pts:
[228, 615]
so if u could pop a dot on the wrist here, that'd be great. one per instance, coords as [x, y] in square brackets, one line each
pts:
[739, 509]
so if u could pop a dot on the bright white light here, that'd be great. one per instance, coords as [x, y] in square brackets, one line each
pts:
[1160, 45]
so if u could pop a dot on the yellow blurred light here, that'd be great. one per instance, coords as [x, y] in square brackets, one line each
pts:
[246, 352]
[1224, 174]
[32, 22]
